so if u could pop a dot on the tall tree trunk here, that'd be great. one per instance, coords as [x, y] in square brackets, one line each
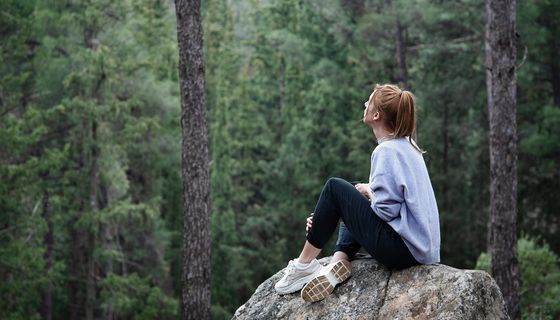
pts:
[445, 160]
[47, 295]
[90, 40]
[82, 263]
[284, 114]
[400, 55]
[76, 269]
[94, 183]
[108, 245]
[501, 84]
[555, 72]
[78, 243]
[195, 170]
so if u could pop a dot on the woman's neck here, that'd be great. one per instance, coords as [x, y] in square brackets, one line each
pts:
[382, 134]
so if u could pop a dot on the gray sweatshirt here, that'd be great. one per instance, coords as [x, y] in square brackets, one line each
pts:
[404, 197]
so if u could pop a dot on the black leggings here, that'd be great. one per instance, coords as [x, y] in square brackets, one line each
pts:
[360, 226]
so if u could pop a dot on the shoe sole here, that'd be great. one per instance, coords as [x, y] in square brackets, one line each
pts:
[295, 287]
[322, 286]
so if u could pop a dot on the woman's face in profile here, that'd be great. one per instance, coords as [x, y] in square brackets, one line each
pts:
[368, 114]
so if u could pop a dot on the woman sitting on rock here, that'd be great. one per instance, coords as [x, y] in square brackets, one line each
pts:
[394, 217]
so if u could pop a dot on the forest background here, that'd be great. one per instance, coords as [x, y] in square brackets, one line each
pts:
[90, 141]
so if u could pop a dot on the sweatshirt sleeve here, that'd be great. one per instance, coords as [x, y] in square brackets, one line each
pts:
[388, 195]
[387, 200]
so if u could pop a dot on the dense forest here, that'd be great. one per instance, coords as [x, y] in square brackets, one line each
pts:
[90, 141]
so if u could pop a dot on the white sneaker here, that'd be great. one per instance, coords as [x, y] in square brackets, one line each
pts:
[295, 278]
[322, 285]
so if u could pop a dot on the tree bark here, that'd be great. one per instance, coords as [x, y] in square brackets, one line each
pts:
[195, 168]
[501, 85]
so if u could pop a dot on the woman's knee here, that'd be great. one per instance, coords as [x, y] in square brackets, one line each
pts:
[334, 182]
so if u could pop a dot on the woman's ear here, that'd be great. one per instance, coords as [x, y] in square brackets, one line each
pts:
[376, 115]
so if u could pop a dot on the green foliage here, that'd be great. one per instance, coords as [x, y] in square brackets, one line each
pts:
[541, 140]
[484, 262]
[23, 272]
[540, 278]
[90, 115]
[133, 297]
[86, 99]
[286, 83]
[538, 117]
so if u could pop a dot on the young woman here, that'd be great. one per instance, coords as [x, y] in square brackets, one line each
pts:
[394, 217]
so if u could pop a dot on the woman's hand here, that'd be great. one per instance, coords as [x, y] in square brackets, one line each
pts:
[309, 222]
[364, 190]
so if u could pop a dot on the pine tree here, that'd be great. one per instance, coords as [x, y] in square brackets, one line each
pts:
[502, 110]
[196, 213]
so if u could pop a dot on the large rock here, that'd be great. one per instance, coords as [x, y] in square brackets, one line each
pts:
[375, 292]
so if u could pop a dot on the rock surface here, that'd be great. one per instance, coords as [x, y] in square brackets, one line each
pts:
[375, 292]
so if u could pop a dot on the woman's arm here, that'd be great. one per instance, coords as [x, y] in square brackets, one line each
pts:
[388, 198]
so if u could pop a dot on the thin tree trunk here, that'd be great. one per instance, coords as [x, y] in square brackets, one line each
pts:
[94, 183]
[195, 169]
[283, 113]
[501, 84]
[445, 161]
[555, 73]
[400, 55]
[47, 296]
[90, 278]
[79, 249]
[76, 272]
[90, 35]
[109, 246]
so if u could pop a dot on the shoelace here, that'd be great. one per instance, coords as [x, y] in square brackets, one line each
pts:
[290, 270]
